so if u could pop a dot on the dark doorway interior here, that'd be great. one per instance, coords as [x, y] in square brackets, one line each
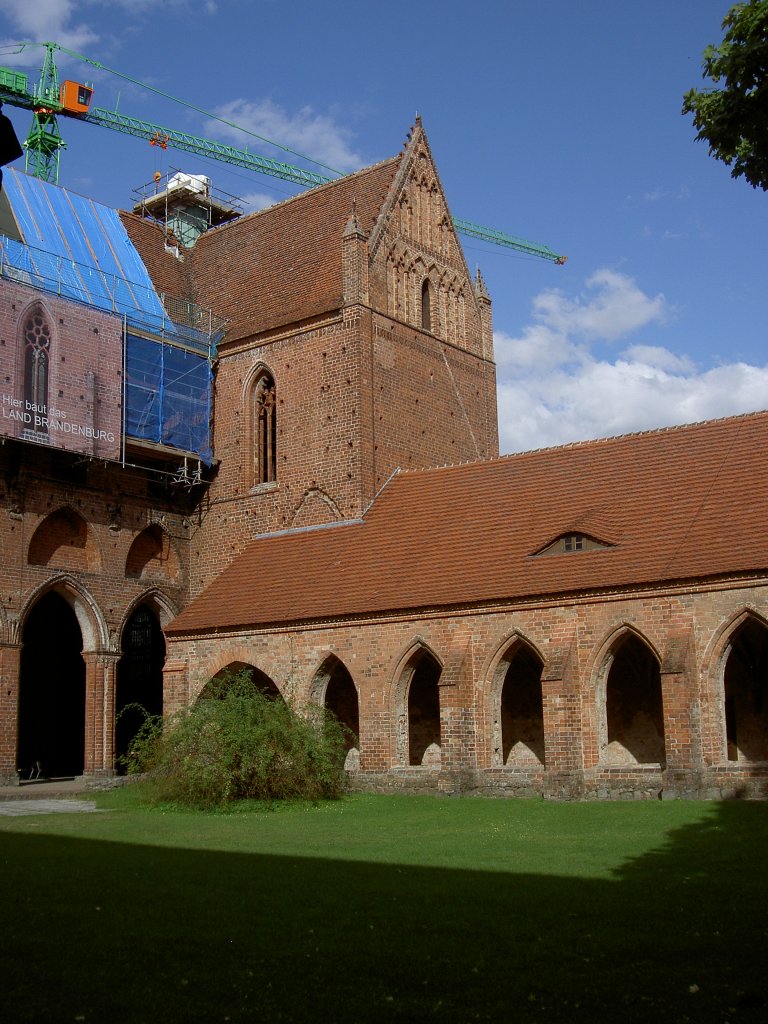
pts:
[139, 677]
[341, 699]
[522, 716]
[52, 692]
[746, 694]
[424, 712]
[634, 711]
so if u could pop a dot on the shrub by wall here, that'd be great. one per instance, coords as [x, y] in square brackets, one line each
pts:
[236, 743]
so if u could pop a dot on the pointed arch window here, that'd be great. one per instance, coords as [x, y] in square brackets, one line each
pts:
[265, 430]
[426, 306]
[37, 356]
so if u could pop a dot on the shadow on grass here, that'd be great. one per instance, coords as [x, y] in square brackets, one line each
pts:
[108, 932]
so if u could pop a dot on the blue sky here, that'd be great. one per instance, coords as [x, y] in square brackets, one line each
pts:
[556, 121]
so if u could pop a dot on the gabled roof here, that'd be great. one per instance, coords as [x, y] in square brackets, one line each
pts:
[684, 503]
[283, 264]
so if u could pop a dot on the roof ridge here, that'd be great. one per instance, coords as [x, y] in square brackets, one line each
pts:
[587, 442]
[293, 530]
[670, 428]
[309, 192]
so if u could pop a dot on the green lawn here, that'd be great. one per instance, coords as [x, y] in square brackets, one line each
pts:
[387, 909]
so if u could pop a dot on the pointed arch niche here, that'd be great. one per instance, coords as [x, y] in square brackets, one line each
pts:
[745, 693]
[632, 715]
[334, 687]
[152, 555]
[418, 737]
[517, 712]
[63, 540]
[429, 306]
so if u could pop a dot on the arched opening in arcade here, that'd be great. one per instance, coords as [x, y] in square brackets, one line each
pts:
[521, 709]
[216, 686]
[51, 733]
[139, 691]
[341, 698]
[423, 702]
[634, 714]
[745, 681]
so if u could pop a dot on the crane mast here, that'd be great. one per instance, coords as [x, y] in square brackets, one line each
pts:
[44, 142]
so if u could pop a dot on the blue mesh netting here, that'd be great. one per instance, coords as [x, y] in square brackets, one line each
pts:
[168, 396]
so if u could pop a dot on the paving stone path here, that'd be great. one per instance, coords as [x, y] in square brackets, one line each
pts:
[10, 808]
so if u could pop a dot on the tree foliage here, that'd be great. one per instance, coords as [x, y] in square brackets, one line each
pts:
[733, 118]
[237, 743]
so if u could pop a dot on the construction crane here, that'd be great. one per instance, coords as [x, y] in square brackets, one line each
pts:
[49, 99]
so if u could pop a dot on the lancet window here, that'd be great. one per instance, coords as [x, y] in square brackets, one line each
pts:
[37, 355]
[265, 430]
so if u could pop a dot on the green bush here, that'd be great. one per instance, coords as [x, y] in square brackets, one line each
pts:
[236, 743]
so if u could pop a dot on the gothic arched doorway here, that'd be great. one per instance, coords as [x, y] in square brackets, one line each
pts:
[51, 692]
[341, 699]
[139, 676]
[423, 707]
[216, 686]
[634, 712]
[746, 693]
[521, 709]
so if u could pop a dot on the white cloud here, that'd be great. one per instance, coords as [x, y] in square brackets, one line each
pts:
[306, 131]
[660, 358]
[564, 391]
[682, 192]
[254, 201]
[615, 307]
[49, 20]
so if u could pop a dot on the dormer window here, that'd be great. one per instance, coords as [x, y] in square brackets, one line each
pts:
[568, 543]
[573, 542]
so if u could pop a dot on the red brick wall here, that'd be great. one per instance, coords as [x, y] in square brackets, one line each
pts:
[84, 373]
[357, 398]
[573, 641]
[79, 522]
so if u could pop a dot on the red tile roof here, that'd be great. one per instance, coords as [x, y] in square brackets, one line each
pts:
[677, 504]
[283, 264]
[278, 266]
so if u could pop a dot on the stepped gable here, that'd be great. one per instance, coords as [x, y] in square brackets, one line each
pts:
[681, 504]
[283, 264]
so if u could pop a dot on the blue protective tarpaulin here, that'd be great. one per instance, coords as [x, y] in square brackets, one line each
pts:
[81, 248]
[168, 395]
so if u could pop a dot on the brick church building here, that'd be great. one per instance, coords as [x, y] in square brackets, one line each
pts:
[270, 442]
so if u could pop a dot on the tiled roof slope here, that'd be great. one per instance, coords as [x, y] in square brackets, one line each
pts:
[283, 264]
[168, 273]
[678, 504]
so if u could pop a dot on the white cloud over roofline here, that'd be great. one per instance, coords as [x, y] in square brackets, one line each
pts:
[554, 387]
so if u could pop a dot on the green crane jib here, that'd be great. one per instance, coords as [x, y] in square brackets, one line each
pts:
[72, 99]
